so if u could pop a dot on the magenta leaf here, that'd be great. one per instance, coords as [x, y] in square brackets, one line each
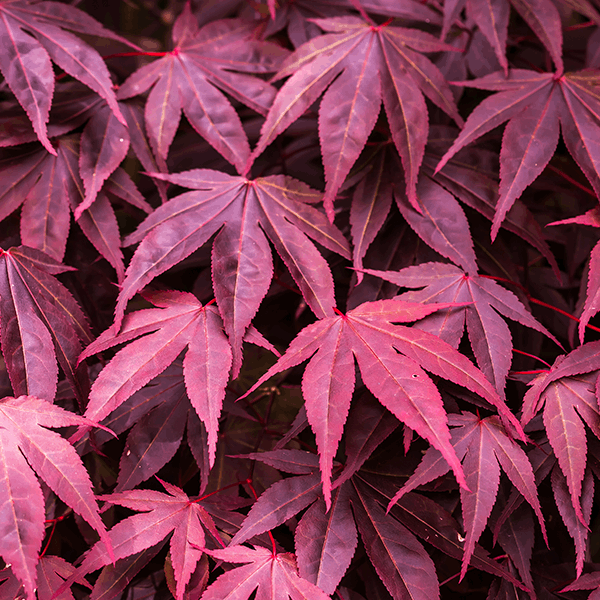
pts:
[162, 514]
[275, 575]
[568, 401]
[180, 322]
[486, 447]
[535, 103]
[368, 65]
[397, 380]
[188, 77]
[489, 336]
[243, 212]
[23, 435]
[34, 33]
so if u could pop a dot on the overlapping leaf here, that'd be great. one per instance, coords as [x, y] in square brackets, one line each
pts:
[31, 35]
[398, 557]
[535, 103]
[160, 516]
[440, 222]
[392, 359]
[484, 298]
[492, 19]
[484, 447]
[188, 77]
[362, 65]
[40, 323]
[242, 211]
[299, 15]
[50, 187]
[180, 323]
[51, 572]
[568, 395]
[26, 446]
[578, 525]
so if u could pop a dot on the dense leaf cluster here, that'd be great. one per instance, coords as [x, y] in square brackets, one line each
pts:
[331, 335]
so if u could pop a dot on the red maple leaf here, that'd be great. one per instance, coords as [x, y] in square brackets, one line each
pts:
[392, 359]
[31, 35]
[275, 576]
[204, 59]
[537, 105]
[26, 446]
[242, 211]
[180, 323]
[488, 333]
[40, 322]
[171, 514]
[362, 65]
[485, 447]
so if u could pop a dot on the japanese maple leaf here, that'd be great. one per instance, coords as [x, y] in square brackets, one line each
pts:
[488, 333]
[50, 187]
[40, 322]
[362, 65]
[568, 395]
[242, 211]
[392, 359]
[31, 35]
[179, 323]
[438, 218]
[592, 299]
[159, 414]
[188, 77]
[272, 575]
[484, 447]
[471, 176]
[26, 446]
[69, 111]
[399, 558]
[535, 104]
[160, 515]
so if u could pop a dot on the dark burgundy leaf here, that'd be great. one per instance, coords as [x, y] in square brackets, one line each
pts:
[242, 211]
[361, 66]
[326, 541]
[32, 34]
[40, 323]
[399, 559]
[188, 77]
